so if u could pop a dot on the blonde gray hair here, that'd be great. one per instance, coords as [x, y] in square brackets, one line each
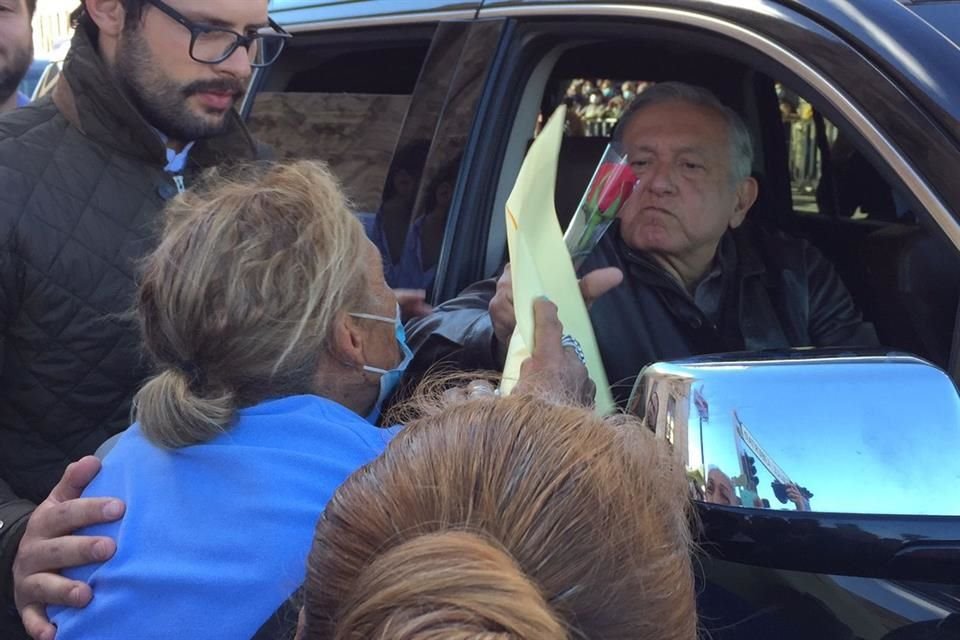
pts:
[237, 302]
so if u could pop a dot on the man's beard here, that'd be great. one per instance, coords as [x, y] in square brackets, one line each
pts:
[12, 74]
[161, 101]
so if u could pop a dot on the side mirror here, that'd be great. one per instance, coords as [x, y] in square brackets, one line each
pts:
[816, 460]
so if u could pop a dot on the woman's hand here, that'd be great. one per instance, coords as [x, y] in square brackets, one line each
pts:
[553, 370]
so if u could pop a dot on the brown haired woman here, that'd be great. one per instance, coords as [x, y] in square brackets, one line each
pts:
[507, 519]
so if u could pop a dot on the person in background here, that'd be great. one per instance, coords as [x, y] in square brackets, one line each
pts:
[387, 228]
[607, 89]
[416, 268]
[507, 518]
[620, 101]
[145, 103]
[720, 489]
[392, 231]
[16, 50]
[595, 109]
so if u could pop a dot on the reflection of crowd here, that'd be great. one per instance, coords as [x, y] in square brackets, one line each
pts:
[720, 488]
[595, 106]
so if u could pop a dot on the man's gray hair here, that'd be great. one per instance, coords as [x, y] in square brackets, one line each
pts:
[741, 145]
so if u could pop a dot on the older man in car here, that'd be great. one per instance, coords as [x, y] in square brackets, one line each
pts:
[677, 275]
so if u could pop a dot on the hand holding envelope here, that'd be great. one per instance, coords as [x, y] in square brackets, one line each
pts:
[503, 315]
[541, 265]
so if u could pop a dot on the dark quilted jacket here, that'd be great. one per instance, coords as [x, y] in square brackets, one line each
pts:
[82, 183]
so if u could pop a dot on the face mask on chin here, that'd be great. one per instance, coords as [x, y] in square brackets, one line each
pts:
[389, 378]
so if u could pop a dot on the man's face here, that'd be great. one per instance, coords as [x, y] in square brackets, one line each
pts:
[181, 97]
[16, 45]
[685, 198]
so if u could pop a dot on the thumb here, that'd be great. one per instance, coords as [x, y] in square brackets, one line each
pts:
[410, 296]
[598, 282]
[75, 479]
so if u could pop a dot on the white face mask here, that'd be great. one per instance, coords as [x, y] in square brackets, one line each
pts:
[389, 378]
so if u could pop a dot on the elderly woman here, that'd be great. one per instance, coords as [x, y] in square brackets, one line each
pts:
[276, 342]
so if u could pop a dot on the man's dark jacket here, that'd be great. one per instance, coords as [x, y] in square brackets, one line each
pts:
[777, 292]
[82, 183]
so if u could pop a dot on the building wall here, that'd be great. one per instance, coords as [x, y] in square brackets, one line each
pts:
[51, 25]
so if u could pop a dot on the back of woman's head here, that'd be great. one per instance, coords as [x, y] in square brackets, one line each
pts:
[509, 518]
[237, 301]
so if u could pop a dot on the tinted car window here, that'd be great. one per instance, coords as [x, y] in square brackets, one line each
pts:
[343, 106]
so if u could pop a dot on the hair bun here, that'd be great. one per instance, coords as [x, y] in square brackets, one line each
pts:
[450, 585]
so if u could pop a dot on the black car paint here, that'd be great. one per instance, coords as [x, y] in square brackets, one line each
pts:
[914, 101]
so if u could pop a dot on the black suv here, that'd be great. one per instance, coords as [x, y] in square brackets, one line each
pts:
[425, 109]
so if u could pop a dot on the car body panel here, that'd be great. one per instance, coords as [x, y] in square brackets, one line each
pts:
[943, 15]
[291, 13]
[902, 98]
[878, 27]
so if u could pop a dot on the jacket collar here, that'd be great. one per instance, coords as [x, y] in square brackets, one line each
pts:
[749, 260]
[738, 253]
[91, 101]
[734, 256]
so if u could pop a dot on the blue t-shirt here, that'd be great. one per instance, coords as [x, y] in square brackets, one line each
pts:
[216, 535]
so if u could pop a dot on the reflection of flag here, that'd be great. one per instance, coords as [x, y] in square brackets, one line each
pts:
[701, 403]
[540, 263]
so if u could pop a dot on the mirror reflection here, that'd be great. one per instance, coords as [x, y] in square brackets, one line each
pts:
[810, 431]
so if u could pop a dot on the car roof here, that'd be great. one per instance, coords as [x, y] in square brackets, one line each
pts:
[289, 12]
[942, 16]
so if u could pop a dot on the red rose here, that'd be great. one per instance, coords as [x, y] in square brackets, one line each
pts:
[614, 184]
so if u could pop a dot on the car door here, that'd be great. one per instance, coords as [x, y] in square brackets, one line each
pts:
[900, 124]
[892, 105]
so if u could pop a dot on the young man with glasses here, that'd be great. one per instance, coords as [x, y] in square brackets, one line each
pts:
[145, 103]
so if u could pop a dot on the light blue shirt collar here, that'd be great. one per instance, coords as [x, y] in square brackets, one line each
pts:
[175, 161]
[22, 99]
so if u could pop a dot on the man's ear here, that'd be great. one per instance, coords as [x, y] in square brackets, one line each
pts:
[108, 15]
[747, 192]
[346, 340]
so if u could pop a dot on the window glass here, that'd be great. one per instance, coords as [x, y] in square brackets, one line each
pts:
[828, 174]
[342, 106]
[594, 105]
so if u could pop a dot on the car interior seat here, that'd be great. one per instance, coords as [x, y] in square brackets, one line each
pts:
[915, 273]
[578, 159]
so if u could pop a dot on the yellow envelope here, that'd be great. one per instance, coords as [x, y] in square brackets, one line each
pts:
[541, 265]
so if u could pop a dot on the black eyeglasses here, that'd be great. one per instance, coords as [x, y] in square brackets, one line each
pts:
[213, 45]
